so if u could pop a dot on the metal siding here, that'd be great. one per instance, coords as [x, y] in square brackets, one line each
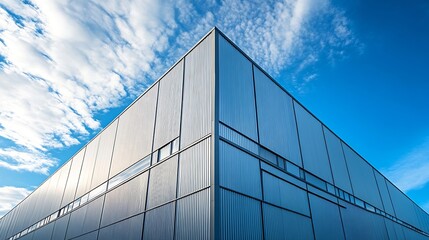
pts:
[73, 178]
[240, 216]
[326, 219]
[135, 132]
[60, 228]
[337, 160]
[162, 183]
[385, 196]
[403, 206]
[238, 139]
[239, 171]
[236, 90]
[391, 231]
[193, 216]
[104, 155]
[61, 185]
[86, 173]
[129, 229]
[89, 236]
[284, 194]
[85, 219]
[360, 224]
[44, 232]
[159, 223]
[194, 168]
[169, 106]
[197, 92]
[282, 224]
[313, 148]
[126, 200]
[362, 178]
[276, 120]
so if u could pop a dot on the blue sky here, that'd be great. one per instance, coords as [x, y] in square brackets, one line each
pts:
[67, 68]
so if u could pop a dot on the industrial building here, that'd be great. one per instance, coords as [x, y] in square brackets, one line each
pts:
[216, 149]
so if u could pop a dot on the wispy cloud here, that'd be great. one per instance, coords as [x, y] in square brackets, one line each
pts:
[10, 196]
[412, 171]
[61, 62]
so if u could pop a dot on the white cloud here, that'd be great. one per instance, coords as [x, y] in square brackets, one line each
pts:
[411, 172]
[10, 196]
[64, 61]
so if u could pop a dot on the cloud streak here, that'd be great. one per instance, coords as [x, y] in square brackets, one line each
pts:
[61, 62]
[412, 171]
[10, 196]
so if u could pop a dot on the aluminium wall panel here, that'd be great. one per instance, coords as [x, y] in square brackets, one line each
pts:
[197, 92]
[236, 90]
[87, 170]
[60, 228]
[384, 193]
[361, 224]
[88, 236]
[169, 108]
[162, 183]
[135, 132]
[85, 219]
[326, 219]
[61, 185]
[239, 171]
[276, 119]
[337, 160]
[44, 232]
[284, 194]
[282, 224]
[129, 229]
[314, 155]
[403, 206]
[194, 168]
[125, 201]
[73, 178]
[193, 216]
[104, 155]
[159, 223]
[392, 231]
[362, 178]
[240, 216]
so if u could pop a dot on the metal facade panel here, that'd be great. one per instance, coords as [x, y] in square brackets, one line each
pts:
[282, 224]
[85, 219]
[326, 219]
[129, 229]
[391, 230]
[284, 194]
[87, 170]
[61, 184]
[385, 196]
[276, 118]
[193, 216]
[239, 171]
[403, 206]
[44, 232]
[236, 91]
[125, 201]
[194, 168]
[135, 132]
[73, 178]
[337, 160]
[240, 216]
[104, 155]
[89, 236]
[60, 228]
[237, 138]
[362, 178]
[159, 223]
[162, 183]
[169, 106]
[197, 92]
[314, 155]
[361, 224]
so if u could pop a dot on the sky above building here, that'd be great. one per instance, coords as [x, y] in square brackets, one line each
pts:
[67, 68]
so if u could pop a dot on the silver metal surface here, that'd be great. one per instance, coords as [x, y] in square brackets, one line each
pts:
[276, 119]
[236, 91]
